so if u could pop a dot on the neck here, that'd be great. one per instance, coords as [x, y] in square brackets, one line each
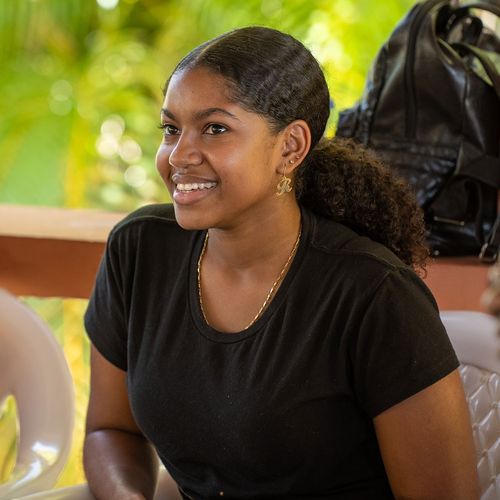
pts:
[262, 240]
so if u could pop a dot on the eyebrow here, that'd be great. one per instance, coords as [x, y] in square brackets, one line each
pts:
[200, 115]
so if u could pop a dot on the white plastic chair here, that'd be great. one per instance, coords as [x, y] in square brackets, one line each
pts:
[34, 371]
[474, 336]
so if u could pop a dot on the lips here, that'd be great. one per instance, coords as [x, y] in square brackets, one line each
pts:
[189, 190]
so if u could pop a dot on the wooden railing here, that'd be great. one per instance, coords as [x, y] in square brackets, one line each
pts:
[53, 252]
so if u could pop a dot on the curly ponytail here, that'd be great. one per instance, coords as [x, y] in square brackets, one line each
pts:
[346, 182]
[272, 74]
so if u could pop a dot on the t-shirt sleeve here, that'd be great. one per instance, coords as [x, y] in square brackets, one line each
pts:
[401, 346]
[105, 318]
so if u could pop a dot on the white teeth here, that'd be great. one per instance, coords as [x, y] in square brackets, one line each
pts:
[196, 186]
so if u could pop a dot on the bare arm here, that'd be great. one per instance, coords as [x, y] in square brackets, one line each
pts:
[426, 444]
[119, 462]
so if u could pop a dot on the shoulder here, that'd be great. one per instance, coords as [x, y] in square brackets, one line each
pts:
[342, 242]
[149, 217]
[363, 265]
[152, 227]
[162, 213]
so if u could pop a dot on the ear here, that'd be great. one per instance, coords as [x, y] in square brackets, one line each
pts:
[296, 141]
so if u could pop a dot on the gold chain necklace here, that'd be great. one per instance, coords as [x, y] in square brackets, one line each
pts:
[271, 291]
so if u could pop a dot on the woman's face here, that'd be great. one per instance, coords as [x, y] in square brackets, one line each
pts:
[219, 162]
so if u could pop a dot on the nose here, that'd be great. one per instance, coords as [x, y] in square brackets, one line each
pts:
[185, 153]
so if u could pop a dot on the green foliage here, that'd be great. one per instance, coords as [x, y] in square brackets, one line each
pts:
[80, 85]
[9, 430]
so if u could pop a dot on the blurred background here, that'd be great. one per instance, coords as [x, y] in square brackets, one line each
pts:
[80, 93]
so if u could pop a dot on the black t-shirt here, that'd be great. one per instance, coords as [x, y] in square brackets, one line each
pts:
[283, 409]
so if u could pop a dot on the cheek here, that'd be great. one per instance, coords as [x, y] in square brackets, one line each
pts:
[162, 164]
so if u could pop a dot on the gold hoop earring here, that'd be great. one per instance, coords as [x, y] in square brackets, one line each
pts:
[285, 184]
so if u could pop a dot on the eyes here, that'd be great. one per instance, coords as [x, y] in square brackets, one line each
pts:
[210, 129]
[168, 129]
[215, 129]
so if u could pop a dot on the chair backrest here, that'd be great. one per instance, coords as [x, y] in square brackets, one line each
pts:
[33, 369]
[474, 336]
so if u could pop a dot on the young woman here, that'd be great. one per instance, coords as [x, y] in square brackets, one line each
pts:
[266, 336]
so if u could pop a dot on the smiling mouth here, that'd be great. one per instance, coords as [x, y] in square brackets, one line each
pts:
[196, 186]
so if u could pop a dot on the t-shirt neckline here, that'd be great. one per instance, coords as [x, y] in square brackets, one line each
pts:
[223, 337]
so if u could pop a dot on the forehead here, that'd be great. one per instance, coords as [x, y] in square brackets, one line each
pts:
[198, 86]
[195, 95]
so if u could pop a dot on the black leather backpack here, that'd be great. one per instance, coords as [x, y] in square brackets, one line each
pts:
[431, 109]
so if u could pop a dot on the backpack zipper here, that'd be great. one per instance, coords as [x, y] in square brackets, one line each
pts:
[448, 221]
[416, 23]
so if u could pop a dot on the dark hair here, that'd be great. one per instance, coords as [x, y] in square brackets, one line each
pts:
[272, 74]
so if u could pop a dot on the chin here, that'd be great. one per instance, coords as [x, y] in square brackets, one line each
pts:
[190, 219]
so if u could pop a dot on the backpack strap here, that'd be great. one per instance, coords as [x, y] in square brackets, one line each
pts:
[489, 251]
[482, 56]
[458, 14]
[494, 9]
[479, 166]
